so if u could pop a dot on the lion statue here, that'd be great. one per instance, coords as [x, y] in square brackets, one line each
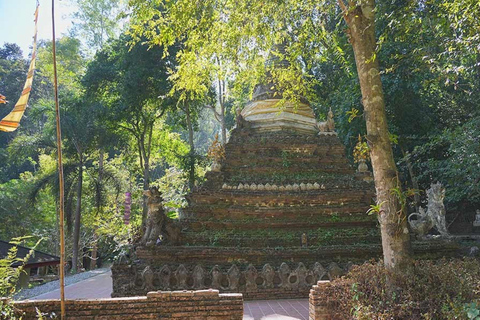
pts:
[159, 228]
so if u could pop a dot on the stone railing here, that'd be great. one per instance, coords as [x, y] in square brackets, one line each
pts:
[199, 305]
[262, 283]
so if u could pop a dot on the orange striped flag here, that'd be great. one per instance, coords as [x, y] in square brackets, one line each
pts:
[12, 120]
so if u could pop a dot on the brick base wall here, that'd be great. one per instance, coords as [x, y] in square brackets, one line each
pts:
[320, 306]
[197, 305]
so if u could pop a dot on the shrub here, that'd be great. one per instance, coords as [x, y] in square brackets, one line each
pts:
[444, 289]
[9, 276]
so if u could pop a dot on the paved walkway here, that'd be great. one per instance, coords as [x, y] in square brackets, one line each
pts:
[101, 287]
[92, 288]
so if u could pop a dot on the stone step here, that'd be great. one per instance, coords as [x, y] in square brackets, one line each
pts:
[287, 151]
[275, 160]
[283, 214]
[210, 256]
[336, 221]
[253, 169]
[262, 198]
[276, 242]
[303, 210]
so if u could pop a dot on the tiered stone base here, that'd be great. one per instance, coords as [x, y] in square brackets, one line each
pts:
[257, 273]
[280, 190]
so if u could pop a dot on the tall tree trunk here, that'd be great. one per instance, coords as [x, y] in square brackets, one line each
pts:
[146, 184]
[78, 213]
[360, 18]
[101, 159]
[221, 98]
[191, 154]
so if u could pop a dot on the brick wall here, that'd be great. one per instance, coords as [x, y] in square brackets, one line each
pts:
[195, 305]
[321, 307]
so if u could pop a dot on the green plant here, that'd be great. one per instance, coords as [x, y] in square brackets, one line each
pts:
[9, 276]
[472, 310]
[375, 208]
[285, 159]
[361, 150]
[444, 289]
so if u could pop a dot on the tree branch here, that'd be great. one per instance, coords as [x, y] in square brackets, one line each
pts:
[344, 9]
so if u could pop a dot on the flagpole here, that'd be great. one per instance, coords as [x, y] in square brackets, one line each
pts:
[60, 172]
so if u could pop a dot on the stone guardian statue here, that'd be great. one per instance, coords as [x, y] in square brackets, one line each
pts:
[434, 217]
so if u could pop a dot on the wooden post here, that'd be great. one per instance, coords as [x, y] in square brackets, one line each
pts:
[60, 173]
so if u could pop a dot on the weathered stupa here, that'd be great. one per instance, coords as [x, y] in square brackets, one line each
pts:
[283, 210]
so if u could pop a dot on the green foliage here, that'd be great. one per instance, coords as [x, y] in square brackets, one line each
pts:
[8, 274]
[96, 20]
[473, 310]
[453, 158]
[445, 289]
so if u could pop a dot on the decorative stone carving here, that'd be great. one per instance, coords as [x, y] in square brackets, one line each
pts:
[147, 277]
[268, 275]
[476, 223]
[296, 187]
[159, 228]
[253, 186]
[310, 186]
[181, 276]
[251, 277]
[319, 271]
[327, 126]
[288, 187]
[240, 186]
[216, 277]
[435, 214]
[198, 277]
[362, 166]
[316, 185]
[155, 217]
[268, 187]
[260, 187]
[164, 276]
[284, 273]
[233, 275]
[301, 272]
[334, 271]
[216, 166]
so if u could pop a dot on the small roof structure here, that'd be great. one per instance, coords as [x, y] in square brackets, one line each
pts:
[38, 258]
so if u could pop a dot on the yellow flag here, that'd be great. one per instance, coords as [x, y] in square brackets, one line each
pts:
[12, 120]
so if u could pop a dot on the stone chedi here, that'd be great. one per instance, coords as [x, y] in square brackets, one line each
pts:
[282, 210]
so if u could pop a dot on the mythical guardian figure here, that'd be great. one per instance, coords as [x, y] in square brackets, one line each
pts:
[329, 125]
[434, 217]
[159, 228]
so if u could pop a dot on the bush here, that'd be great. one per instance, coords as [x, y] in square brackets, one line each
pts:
[445, 289]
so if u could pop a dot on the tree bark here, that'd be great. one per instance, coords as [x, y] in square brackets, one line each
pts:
[360, 18]
[78, 213]
[191, 154]
[221, 97]
[93, 261]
